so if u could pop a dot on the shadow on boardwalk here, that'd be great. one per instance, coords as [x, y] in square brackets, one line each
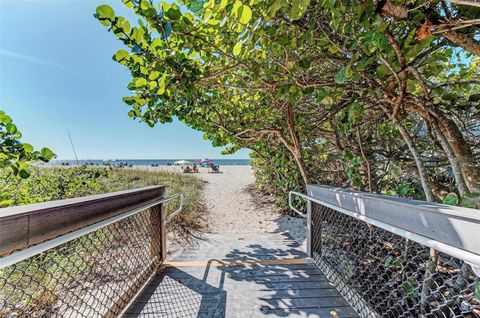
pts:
[211, 286]
[175, 293]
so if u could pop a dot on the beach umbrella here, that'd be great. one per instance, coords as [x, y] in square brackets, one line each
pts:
[205, 160]
[183, 163]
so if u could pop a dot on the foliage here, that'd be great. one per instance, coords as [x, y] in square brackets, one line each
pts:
[190, 186]
[46, 184]
[376, 95]
[15, 154]
[56, 183]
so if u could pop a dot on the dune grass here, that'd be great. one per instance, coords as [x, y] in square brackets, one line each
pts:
[56, 183]
[191, 187]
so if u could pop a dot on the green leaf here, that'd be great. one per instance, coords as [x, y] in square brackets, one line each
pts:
[348, 71]
[139, 82]
[237, 49]
[404, 189]
[11, 128]
[355, 113]
[128, 3]
[120, 55]
[471, 200]
[245, 14]
[382, 70]
[298, 8]
[4, 118]
[469, 204]
[153, 75]
[341, 78]
[333, 49]
[410, 289]
[223, 4]
[105, 11]
[24, 173]
[274, 7]
[105, 14]
[320, 95]
[451, 199]
[47, 153]
[173, 14]
[161, 89]
[450, 96]
[27, 147]
[152, 85]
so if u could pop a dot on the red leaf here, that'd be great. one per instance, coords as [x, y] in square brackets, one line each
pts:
[424, 31]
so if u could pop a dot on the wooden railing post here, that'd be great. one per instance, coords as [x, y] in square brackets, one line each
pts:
[158, 245]
[156, 230]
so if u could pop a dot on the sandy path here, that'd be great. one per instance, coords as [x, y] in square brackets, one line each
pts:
[233, 209]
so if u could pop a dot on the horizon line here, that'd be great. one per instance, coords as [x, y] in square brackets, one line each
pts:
[56, 159]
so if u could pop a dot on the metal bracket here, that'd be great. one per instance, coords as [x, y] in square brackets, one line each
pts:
[170, 198]
[290, 202]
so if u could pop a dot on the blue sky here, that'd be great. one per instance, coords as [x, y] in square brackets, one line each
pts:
[57, 75]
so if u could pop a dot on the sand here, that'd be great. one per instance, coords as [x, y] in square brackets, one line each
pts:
[233, 207]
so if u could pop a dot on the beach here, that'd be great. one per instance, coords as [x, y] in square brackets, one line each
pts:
[233, 206]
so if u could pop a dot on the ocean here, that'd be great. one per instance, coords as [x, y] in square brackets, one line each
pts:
[149, 162]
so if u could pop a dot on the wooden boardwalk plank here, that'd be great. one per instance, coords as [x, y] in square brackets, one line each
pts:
[240, 276]
[271, 294]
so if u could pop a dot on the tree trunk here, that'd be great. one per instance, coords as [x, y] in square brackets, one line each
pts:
[462, 151]
[368, 171]
[456, 169]
[296, 150]
[470, 169]
[418, 161]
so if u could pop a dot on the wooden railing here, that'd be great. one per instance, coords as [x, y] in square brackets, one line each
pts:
[23, 226]
[84, 257]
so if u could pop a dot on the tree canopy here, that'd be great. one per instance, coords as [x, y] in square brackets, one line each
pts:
[382, 96]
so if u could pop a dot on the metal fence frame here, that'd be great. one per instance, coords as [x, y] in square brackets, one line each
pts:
[454, 231]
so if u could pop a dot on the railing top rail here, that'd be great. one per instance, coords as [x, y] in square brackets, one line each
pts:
[23, 226]
[16, 211]
[452, 230]
[341, 197]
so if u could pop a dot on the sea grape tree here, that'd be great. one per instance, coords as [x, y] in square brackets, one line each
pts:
[377, 95]
[14, 154]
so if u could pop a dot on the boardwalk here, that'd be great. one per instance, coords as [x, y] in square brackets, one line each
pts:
[255, 275]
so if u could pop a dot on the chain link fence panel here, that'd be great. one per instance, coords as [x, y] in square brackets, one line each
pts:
[382, 274]
[94, 275]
